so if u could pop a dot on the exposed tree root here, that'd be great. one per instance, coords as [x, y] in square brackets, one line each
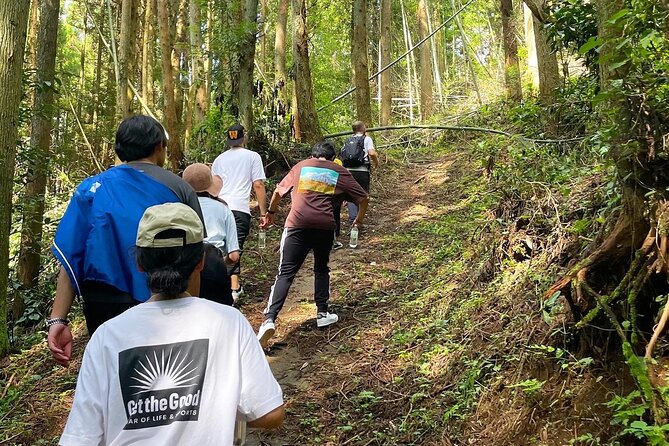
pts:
[616, 246]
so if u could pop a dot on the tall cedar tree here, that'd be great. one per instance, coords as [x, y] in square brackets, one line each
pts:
[175, 150]
[40, 141]
[247, 57]
[426, 75]
[511, 64]
[280, 76]
[547, 65]
[307, 128]
[125, 51]
[360, 62]
[13, 24]
[385, 43]
[197, 60]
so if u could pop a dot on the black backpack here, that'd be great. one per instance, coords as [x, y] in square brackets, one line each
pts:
[353, 152]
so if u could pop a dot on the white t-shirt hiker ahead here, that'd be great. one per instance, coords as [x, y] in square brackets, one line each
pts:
[174, 372]
[238, 168]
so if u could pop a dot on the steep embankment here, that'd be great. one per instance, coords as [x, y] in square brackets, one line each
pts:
[443, 336]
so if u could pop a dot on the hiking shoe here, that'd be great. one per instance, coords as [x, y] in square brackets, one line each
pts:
[325, 319]
[337, 245]
[237, 294]
[266, 332]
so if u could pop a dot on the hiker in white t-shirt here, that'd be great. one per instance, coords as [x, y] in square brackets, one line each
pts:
[360, 166]
[177, 369]
[241, 171]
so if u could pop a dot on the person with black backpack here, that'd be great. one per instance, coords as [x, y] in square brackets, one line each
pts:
[359, 157]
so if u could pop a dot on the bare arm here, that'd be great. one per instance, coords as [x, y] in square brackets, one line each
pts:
[233, 257]
[273, 206]
[60, 336]
[271, 420]
[261, 195]
[373, 158]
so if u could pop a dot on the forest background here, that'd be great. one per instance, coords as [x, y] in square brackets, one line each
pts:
[548, 91]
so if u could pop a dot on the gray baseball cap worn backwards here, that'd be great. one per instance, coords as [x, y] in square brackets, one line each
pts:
[162, 217]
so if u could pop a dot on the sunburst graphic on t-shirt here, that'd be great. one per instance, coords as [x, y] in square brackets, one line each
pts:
[169, 372]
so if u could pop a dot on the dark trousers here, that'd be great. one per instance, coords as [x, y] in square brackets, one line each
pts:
[102, 302]
[214, 278]
[296, 243]
[243, 222]
[363, 178]
[337, 216]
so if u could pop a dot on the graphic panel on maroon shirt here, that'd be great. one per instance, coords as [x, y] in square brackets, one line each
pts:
[315, 186]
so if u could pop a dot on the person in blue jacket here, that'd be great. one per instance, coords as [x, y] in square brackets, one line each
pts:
[95, 238]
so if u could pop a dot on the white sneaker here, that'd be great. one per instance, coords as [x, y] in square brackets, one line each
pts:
[266, 332]
[237, 294]
[325, 319]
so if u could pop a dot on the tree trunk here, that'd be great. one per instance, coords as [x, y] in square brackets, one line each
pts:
[235, 16]
[304, 107]
[197, 61]
[435, 62]
[385, 43]
[208, 56]
[409, 62]
[40, 142]
[82, 63]
[511, 65]
[280, 77]
[262, 39]
[547, 64]
[360, 61]
[175, 150]
[147, 52]
[31, 40]
[468, 50]
[426, 76]
[123, 93]
[247, 57]
[179, 59]
[13, 24]
[96, 105]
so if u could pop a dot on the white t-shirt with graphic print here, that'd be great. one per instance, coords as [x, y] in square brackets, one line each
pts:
[175, 372]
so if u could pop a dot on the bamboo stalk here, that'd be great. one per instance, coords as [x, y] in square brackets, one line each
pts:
[460, 128]
[409, 51]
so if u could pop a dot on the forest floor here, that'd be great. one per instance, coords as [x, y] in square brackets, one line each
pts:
[438, 343]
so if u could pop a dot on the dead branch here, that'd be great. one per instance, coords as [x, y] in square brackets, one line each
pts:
[657, 332]
[462, 129]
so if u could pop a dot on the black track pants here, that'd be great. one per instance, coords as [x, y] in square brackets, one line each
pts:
[296, 243]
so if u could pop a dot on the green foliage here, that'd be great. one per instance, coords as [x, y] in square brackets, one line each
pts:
[629, 411]
[572, 24]
[529, 387]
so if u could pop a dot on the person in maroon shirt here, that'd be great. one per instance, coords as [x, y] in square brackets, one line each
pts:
[316, 186]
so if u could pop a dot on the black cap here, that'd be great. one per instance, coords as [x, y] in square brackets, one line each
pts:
[236, 135]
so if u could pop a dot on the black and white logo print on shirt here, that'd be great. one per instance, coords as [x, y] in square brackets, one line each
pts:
[162, 384]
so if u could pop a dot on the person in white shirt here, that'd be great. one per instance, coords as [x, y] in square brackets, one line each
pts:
[221, 245]
[241, 170]
[175, 370]
[362, 172]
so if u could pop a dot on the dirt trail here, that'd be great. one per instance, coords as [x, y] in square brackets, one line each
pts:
[302, 355]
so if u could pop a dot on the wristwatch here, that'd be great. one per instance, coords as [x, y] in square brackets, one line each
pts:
[271, 212]
[56, 321]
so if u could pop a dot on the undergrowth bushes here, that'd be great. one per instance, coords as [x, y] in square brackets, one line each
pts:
[477, 328]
